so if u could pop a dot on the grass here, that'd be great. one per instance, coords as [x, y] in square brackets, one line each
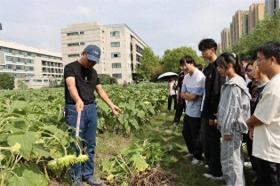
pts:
[161, 131]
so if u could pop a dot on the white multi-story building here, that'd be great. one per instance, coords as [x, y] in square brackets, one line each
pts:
[121, 48]
[271, 6]
[35, 67]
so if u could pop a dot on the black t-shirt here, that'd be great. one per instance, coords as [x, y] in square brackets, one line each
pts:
[86, 81]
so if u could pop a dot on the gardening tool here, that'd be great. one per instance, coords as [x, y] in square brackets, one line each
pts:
[78, 124]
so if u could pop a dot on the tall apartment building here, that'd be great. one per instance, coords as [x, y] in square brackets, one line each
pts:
[245, 22]
[121, 48]
[36, 67]
[256, 14]
[238, 26]
[225, 39]
[271, 6]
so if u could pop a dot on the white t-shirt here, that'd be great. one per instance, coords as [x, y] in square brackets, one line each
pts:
[266, 141]
[194, 84]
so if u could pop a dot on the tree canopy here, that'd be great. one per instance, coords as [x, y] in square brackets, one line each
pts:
[266, 30]
[171, 58]
[7, 81]
[149, 66]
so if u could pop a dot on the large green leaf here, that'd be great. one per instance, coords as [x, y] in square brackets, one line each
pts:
[25, 140]
[40, 151]
[139, 162]
[108, 166]
[28, 176]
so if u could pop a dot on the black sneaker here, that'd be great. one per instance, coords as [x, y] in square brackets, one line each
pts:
[94, 182]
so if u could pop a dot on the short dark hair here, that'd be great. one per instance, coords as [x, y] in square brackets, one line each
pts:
[248, 65]
[205, 44]
[269, 49]
[247, 58]
[187, 59]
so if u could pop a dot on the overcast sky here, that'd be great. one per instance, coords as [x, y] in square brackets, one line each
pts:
[162, 24]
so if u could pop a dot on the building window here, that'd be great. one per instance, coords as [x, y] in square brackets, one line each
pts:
[138, 58]
[118, 76]
[82, 33]
[9, 58]
[73, 55]
[116, 65]
[115, 44]
[73, 44]
[29, 68]
[115, 54]
[139, 49]
[82, 43]
[115, 34]
[72, 33]
[8, 66]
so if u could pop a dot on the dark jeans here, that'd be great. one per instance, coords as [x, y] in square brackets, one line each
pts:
[268, 173]
[87, 133]
[212, 147]
[174, 97]
[203, 133]
[191, 135]
[181, 105]
[249, 145]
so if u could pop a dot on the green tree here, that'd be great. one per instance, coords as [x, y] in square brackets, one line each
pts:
[171, 58]
[149, 66]
[107, 79]
[266, 30]
[7, 81]
[21, 84]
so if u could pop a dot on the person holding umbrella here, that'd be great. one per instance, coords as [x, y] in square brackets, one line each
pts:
[171, 87]
[80, 83]
[172, 93]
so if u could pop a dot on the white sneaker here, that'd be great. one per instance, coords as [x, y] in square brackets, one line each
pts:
[189, 155]
[247, 164]
[175, 124]
[210, 176]
[196, 162]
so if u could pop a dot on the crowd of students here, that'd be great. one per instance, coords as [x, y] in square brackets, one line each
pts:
[230, 102]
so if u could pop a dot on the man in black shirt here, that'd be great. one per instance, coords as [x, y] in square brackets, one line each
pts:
[210, 133]
[80, 82]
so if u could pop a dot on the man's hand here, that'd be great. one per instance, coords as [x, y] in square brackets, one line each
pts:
[227, 137]
[79, 105]
[182, 95]
[212, 122]
[116, 110]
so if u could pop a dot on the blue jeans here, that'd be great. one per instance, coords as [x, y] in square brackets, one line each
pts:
[87, 133]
